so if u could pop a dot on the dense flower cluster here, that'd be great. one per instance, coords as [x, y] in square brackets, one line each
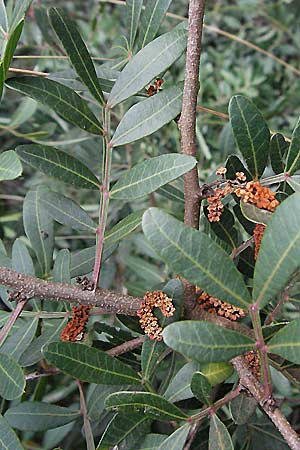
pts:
[215, 306]
[215, 207]
[74, 330]
[261, 196]
[257, 236]
[148, 321]
[253, 362]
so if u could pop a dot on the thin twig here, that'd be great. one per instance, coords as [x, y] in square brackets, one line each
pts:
[90, 443]
[12, 318]
[28, 72]
[126, 346]
[248, 381]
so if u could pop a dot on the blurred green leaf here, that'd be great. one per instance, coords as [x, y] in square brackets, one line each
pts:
[279, 254]
[286, 342]
[39, 416]
[278, 148]
[151, 19]
[151, 174]
[67, 212]
[19, 11]
[151, 351]
[219, 438]
[61, 268]
[255, 214]
[63, 100]
[133, 12]
[206, 342]
[76, 49]
[176, 440]
[251, 133]
[180, 386]
[242, 408]
[196, 257]
[201, 388]
[3, 17]
[18, 341]
[89, 364]
[293, 156]
[151, 405]
[10, 166]
[148, 116]
[57, 164]
[124, 431]
[8, 437]
[12, 380]
[96, 397]
[152, 60]
[151, 442]
[216, 372]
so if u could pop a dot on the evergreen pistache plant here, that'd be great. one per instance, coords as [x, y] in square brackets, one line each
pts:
[205, 352]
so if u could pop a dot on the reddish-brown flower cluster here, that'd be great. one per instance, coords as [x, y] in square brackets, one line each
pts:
[252, 359]
[148, 321]
[74, 330]
[215, 306]
[258, 195]
[155, 88]
[257, 236]
[215, 207]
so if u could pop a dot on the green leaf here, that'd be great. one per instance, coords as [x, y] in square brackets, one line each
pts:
[18, 341]
[251, 133]
[76, 49]
[152, 17]
[152, 60]
[219, 438]
[233, 165]
[286, 342]
[151, 174]
[3, 17]
[12, 380]
[176, 440]
[21, 259]
[278, 148]
[148, 116]
[124, 431]
[206, 342]
[11, 45]
[57, 164]
[89, 364]
[242, 408]
[201, 388]
[151, 351]
[39, 416]
[61, 268]
[133, 12]
[82, 261]
[19, 11]
[96, 399]
[151, 405]
[63, 100]
[52, 332]
[10, 166]
[196, 257]
[216, 372]
[67, 212]
[293, 156]
[255, 214]
[151, 442]
[180, 386]
[279, 254]
[38, 226]
[123, 228]
[8, 439]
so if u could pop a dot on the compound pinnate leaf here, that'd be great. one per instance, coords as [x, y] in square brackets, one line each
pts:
[205, 342]
[39, 416]
[219, 438]
[57, 164]
[279, 254]
[8, 437]
[63, 100]
[251, 133]
[10, 165]
[293, 156]
[152, 60]
[151, 405]
[148, 116]
[286, 342]
[12, 380]
[151, 174]
[89, 364]
[76, 49]
[195, 256]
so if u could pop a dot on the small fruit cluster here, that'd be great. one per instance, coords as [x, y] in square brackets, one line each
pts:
[215, 306]
[74, 330]
[148, 321]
